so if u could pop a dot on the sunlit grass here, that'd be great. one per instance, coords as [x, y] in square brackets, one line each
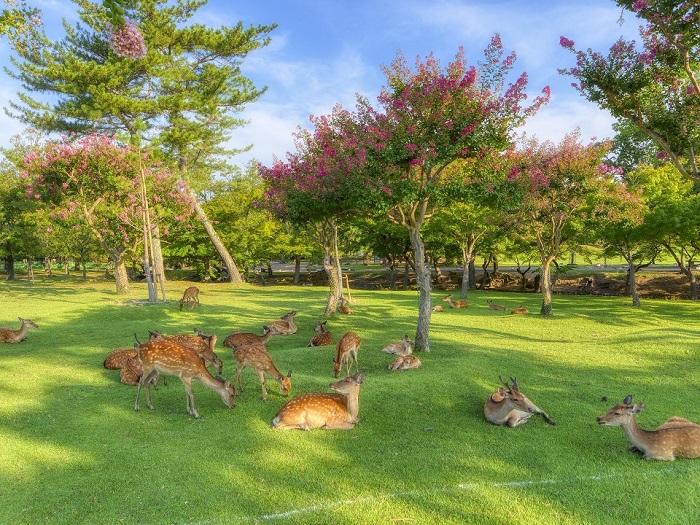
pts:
[74, 451]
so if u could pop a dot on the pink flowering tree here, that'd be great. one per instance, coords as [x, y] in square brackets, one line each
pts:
[652, 84]
[553, 191]
[100, 183]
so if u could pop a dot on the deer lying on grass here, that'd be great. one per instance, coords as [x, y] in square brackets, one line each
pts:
[8, 335]
[511, 407]
[256, 356]
[161, 356]
[459, 303]
[438, 308]
[493, 306]
[284, 326]
[190, 297]
[321, 338]
[344, 308]
[323, 410]
[405, 362]
[346, 352]
[403, 347]
[246, 338]
[519, 310]
[676, 438]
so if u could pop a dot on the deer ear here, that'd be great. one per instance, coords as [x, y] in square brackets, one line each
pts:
[627, 400]
[497, 397]
[636, 409]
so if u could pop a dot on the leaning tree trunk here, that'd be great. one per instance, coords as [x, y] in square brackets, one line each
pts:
[335, 283]
[423, 281]
[234, 276]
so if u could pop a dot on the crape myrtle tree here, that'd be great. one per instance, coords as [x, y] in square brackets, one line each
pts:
[554, 189]
[175, 83]
[101, 182]
[653, 85]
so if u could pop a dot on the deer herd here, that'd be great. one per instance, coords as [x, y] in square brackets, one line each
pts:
[189, 357]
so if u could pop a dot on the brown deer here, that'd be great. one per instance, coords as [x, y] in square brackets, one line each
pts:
[285, 325]
[190, 297]
[676, 438]
[246, 338]
[459, 303]
[493, 306]
[8, 335]
[438, 308]
[403, 347]
[344, 308]
[511, 407]
[201, 344]
[346, 352]
[519, 310]
[323, 410]
[256, 356]
[161, 356]
[405, 362]
[321, 338]
[117, 357]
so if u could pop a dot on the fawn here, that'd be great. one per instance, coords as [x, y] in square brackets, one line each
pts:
[256, 356]
[190, 297]
[403, 347]
[8, 335]
[321, 338]
[346, 352]
[405, 362]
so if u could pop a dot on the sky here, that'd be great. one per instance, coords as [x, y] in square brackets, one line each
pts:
[325, 52]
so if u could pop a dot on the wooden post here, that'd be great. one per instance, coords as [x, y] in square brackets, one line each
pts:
[347, 285]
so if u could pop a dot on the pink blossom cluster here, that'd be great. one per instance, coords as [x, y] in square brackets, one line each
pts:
[127, 41]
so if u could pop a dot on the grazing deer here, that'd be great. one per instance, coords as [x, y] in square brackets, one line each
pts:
[284, 326]
[344, 308]
[403, 347]
[190, 297]
[676, 438]
[201, 344]
[405, 362]
[245, 338]
[346, 352]
[321, 338]
[161, 356]
[256, 356]
[323, 410]
[511, 407]
[459, 303]
[8, 335]
[493, 306]
[519, 310]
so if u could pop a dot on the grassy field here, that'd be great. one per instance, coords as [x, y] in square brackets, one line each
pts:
[72, 449]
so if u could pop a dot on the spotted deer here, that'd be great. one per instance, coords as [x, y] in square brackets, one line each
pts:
[8, 335]
[256, 356]
[200, 343]
[246, 338]
[285, 325]
[161, 356]
[344, 308]
[405, 362]
[321, 337]
[328, 411]
[676, 438]
[346, 353]
[519, 310]
[511, 407]
[459, 303]
[493, 306]
[403, 347]
[190, 297]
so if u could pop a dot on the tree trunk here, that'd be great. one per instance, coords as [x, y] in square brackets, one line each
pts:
[10, 267]
[632, 276]
[158, 264]
[234, 275]
[546, 283]
[297, 269]
[120, 276]
[335, 283]
[422, 342]
[472, 274]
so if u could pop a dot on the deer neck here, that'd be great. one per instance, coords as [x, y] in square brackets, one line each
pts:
[352, 403]
[265, 338]
[636, 434]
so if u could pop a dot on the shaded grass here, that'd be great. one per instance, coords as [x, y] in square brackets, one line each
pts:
[72, 450]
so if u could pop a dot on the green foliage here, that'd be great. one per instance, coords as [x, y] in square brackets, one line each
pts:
[74, 451]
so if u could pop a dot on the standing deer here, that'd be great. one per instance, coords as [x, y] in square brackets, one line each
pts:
[676, 438]
[403, 347]
[201, 344]
[323, 410]
[321, 338]
[161, 356]
[8, 335]
[459, 303]
[405, 362]
[190, 297]
[519, 310]
[346, 352]
[511, 407]
[285, 325]
[493, 306]
[245, 338]
[256, 356]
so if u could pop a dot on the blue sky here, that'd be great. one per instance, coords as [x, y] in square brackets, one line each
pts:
[324, 52]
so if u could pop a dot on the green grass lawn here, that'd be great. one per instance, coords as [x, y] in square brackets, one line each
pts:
[72, 449]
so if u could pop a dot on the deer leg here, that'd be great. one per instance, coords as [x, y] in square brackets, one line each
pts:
[191, 408]
[150, 377]
[237, 379]
[261, 375]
